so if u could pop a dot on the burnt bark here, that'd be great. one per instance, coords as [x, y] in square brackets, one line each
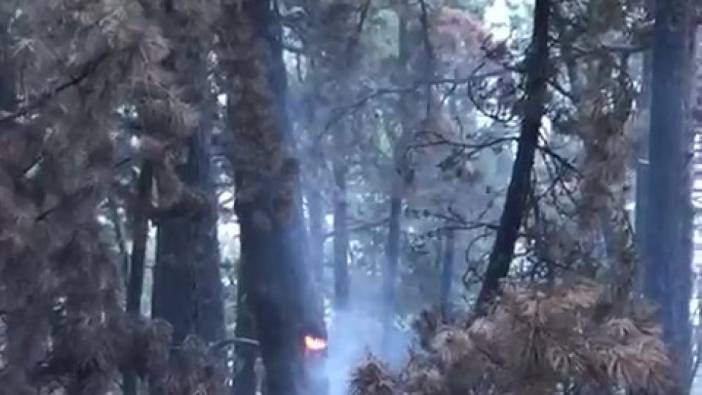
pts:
[520, 182]
[667, 279]
[283, 301]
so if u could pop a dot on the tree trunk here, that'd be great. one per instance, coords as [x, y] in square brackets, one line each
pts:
[406, 110]
[316, 218]
[390, 274]
[283, 301]
[642, 163]
[140, 235]
[140, 224]
[187, 290]
[447, 274]
[341, 230]
[667, 280]
[520, 183]
[245, 362]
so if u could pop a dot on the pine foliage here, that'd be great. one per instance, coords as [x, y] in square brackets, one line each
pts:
[534, 341]
[60, 293]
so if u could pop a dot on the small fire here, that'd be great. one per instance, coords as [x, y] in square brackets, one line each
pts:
[315, 343]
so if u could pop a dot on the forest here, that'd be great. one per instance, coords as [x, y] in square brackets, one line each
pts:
[350, 197]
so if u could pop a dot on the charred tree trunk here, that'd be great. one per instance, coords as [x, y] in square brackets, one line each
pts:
[282, 299]
[520, 183]
[447, 274]
[667, 279]
[140, 235]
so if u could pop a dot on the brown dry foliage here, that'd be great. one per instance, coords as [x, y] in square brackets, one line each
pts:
[64, 326]
[534, 341]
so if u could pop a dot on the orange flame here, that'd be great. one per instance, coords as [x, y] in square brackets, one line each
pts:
[315, 343]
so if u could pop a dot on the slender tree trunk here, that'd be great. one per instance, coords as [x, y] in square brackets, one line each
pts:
[341, 230]
[642, 162]
[447, 274]
[390, 274]
[245, 362]
[316, 215]
[283, 301]
[396, 200]
[140, 235]
[313, 192]
[667, 279]
[520, 183]
[696, 110]
[119, 237]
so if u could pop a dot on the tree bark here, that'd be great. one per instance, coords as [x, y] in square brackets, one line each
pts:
[667, 280]
[283, 301]
[520, 183]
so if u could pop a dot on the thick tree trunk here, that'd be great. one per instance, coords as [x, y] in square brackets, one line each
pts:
[520, 183]
[140, 235]
[447, 274]
[667, 280]
[187, 290]
[283, 301]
